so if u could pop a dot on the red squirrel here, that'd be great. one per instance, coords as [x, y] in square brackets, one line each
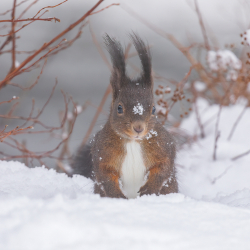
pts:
[133, 154]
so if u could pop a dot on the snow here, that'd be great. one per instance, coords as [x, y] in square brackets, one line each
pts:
[161, 109]
[151, 133]
[138, 109]
[42, 209]
[200, 176]
[224, 60]
[78, 109]
[17, 64]
[64, 135]
[199, 86]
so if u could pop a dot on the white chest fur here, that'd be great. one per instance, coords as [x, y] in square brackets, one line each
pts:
[133, 170]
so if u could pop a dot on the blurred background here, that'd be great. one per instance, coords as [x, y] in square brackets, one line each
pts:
[80, 70]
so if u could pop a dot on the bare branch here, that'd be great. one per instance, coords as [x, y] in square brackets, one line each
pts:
[7, 11]
[13, 37]
[98, 112]
[236, 123]
[203, 29]
[241, 155]
[31, 19]
[14, 131]
[12, 99]
[46, 45]
[93, 13]
[29, 6]
[49, 7]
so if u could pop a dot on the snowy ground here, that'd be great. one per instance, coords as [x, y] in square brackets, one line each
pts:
[41, 209]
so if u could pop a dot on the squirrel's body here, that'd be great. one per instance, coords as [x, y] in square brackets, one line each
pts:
[133, 154]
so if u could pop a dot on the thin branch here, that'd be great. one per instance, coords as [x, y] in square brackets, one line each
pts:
[29, 6]
[46, 45]
[67, 44]
[197, 65]
[203, 29]
[217, 133]
[6, 42]
[25, 25]
[15, 131]
[18, 52]
[46, 103]
[98, 112]
[12, 109]
[12, 99]
[31, 113]
[31, 19]
[199, 120]
[37, 79]
[7, 11]
[241, 155]
[236, 123]
[93, 13]
[99, 48]
[215, 179]
[49, 7]
[42, 57]
[13, 36]
[217, 136]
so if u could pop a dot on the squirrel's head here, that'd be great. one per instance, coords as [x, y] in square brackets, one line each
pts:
[133, 112]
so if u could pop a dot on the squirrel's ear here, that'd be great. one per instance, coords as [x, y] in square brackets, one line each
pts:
[118, 61]
[145, 58]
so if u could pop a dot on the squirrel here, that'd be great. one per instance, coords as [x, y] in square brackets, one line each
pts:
[133, 154]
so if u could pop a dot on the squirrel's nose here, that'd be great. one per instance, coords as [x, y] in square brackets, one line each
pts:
[138, 129]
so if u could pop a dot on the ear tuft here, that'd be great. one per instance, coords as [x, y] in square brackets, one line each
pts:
[118, 61]
[116, 53]
[144, 55]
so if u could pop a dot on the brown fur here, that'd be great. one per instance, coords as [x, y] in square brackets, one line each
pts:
[108, 149]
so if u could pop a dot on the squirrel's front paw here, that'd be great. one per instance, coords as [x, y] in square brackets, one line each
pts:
[119, 195]
[148, 189]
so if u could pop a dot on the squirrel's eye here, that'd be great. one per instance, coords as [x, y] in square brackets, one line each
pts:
[120, 109]
[153, 110]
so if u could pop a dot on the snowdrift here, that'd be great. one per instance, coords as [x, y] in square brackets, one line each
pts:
[42, 209]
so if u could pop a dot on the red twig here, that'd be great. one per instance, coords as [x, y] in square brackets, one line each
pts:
[29, 6]
[37, 79]
[13, 36]
[98, 111]
[14, 131]
[12, 99]
[42, 57]
[7, 11]
[46, 45]
[104, 8]
[31, 19]
[49, 7]
[31, 113]
[99, 48]
[202, 26]
[24, 25]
